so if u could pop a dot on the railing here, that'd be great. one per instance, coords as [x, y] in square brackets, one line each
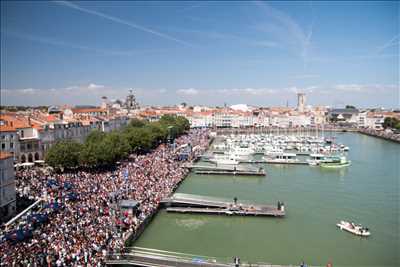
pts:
[148, 255]
[140, 256]
[22, 213]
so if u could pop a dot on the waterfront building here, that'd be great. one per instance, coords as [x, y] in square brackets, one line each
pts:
[8, 138]
[7, 187]
[28, 136]
[20, 137]
[347, 115]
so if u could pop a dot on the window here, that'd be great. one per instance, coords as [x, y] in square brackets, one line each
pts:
[11, 145]
[3, 146]
[22, 133]
[29, 146]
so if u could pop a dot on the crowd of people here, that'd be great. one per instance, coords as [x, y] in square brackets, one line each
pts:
[80, 222]
[386, 134]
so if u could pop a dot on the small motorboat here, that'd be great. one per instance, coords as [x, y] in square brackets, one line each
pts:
[353, 228]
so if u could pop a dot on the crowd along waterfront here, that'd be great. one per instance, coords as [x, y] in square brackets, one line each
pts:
[316, 199]
[80, 220]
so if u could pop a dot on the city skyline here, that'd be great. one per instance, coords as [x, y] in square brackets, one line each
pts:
[210, 53]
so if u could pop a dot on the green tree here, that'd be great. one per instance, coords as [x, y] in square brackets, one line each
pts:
[139, 139]
[390, 122]
[158, 132]
[183, 123]
[350, 107]
[136, 123]
[116, 145]
[64, 154]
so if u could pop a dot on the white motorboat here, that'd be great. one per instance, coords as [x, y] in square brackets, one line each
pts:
[353, 228]
[224, 160]
[273, 151]
[243, 151]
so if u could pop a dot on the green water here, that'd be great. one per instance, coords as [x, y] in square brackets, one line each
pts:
[316, 199]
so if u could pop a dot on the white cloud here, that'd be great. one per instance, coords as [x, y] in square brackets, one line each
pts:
[357, 94]
[246, 91]
[95, 86]
[28, 91]
[190, 91]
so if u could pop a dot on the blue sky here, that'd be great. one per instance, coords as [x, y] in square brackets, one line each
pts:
[259, 53]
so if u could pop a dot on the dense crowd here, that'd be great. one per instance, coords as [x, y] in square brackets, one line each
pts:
[387, 134]
[80, 221]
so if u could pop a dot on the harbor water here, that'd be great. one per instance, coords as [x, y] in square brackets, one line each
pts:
[366, 192]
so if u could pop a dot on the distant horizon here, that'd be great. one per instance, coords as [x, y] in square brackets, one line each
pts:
[259, 53]
[201, 105]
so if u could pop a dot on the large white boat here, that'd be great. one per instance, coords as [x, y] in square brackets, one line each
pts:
[353, 228]
[242, 151]
[225, 160]
[282, 158]
[273, 151]
[316, 159]
[335, 162]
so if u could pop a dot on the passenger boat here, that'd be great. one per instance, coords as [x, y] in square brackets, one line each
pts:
[316, 159]
[353, 228]
[335, 162]
[283, 158]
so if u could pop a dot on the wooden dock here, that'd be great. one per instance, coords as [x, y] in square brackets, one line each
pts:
[226, 170]
[188, 203]
[264, 211]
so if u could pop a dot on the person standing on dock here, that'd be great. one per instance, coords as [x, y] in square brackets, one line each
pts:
[235, 199]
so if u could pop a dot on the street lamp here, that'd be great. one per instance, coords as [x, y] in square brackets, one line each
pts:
[169, 133]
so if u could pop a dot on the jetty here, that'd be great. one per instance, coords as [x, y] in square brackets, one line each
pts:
[188, 203]
[147, 257]
[235, 170]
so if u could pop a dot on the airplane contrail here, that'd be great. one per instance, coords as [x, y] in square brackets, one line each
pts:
[124, 22]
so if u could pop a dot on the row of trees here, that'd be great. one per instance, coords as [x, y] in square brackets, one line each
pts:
[391, 122]
[104, 149]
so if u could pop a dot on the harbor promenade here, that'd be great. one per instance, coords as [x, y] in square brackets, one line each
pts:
[266, 130]
[381, 134]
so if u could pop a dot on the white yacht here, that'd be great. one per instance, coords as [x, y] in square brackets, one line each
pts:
[273, 151]
[353, 228]
[225, 160]
[243, 151]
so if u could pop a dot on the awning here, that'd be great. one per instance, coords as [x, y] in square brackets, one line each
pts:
[27, 164]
